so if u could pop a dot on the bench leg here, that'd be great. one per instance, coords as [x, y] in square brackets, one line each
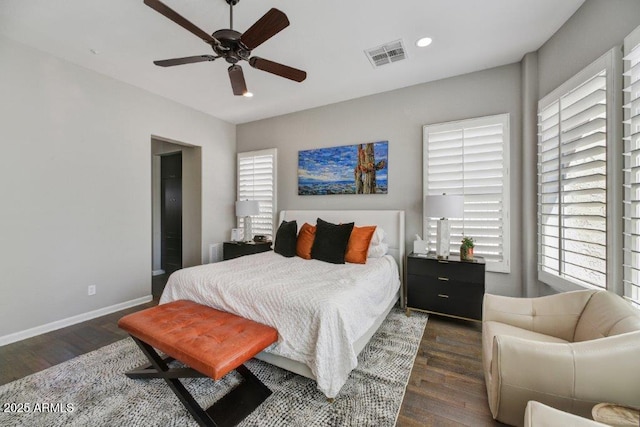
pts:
[236, 405]
[161, 371]
[148, 371]
[227, 411]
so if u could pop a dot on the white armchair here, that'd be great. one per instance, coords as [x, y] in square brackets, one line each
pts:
[569, 351]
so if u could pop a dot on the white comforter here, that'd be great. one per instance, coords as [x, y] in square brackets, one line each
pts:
[319, 309]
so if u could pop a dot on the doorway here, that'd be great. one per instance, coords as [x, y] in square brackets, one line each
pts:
[190, 217]
[171, 212]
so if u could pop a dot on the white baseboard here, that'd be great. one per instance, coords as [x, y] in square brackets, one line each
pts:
[58, 324]
[157, 272]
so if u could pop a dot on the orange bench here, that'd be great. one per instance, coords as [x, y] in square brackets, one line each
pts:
[211, 343]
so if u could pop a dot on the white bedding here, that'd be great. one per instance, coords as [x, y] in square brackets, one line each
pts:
[319, 309]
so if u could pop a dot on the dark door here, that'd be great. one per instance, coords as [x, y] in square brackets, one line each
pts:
[171, 214]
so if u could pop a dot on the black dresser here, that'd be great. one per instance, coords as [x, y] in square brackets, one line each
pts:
[449, 287]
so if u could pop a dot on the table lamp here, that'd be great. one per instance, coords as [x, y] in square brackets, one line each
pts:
[443, 207]
[245, 209]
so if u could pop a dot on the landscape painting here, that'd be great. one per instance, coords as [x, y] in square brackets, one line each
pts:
[347, 169]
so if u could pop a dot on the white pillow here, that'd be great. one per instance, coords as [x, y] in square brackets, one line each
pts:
[377, 251]
[378, 237]
[377, 246]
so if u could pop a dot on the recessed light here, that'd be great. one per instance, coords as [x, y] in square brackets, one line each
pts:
[424, 42]
[247, 94]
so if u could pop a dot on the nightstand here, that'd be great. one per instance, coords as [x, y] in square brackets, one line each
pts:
[232, 250]
[449, 287]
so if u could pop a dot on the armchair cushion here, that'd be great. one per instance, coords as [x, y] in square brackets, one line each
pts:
[554, 315]
[604, 315]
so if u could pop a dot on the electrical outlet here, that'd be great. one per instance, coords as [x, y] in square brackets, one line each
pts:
[91, 290]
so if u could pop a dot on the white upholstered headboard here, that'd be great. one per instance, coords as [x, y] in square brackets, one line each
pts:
[391, 221]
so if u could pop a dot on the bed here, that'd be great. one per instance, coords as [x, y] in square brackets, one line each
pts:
[325, 313]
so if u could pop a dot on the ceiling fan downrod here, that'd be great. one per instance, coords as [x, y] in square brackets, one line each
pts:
[231, 3]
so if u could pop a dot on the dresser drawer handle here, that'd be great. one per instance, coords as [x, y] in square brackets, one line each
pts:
[446, 279]
[443, 296]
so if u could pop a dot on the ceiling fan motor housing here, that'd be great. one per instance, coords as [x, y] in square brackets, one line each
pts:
[230, 47]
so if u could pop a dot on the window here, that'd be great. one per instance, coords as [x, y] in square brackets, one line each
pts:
[631, 168]
[471, 158]
[576, 164]
[257, 181]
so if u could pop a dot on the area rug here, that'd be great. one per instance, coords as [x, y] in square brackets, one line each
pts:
[92, 390]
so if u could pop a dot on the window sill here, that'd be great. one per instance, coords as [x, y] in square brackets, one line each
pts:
[561, 285]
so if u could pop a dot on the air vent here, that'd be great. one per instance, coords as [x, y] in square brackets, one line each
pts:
[387, 53]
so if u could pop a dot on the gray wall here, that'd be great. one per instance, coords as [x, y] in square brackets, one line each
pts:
[396, 116]
[594, 29]
[76, 187]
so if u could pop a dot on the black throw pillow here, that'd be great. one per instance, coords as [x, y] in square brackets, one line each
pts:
[331, 241]
[286, 239]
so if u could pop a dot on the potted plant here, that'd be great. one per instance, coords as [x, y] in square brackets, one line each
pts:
[466, 249]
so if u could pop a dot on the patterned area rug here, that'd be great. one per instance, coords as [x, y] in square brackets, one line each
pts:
[93, 390]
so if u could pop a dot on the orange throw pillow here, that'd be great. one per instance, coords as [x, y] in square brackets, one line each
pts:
[306, 236]
[358, 245]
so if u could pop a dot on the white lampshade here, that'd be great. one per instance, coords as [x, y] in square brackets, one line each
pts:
[247, 208]
[444, 206]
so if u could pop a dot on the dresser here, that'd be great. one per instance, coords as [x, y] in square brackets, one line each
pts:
[232, 250]
[449, 287]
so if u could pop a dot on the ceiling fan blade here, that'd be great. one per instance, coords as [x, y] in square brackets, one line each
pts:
[238, 84]
[185, 60]
[165, 10]
[278, 69]
[264, 28]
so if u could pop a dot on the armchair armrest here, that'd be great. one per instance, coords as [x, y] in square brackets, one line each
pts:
[611, 363]
[567, 376]
[556, 315]
[539, 415]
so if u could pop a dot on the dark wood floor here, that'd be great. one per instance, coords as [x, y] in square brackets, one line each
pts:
[446, 387]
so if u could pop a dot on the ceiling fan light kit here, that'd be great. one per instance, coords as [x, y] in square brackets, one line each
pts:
[234, 46]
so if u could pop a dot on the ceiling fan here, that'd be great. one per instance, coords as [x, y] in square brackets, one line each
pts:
[234, 46]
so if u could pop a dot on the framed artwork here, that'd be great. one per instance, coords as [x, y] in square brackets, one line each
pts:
[347, 169]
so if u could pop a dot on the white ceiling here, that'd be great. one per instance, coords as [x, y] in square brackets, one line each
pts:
[326, 38]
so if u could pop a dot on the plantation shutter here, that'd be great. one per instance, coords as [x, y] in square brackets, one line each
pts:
[631, 169]
[471, 158]
[257, 181]
[572, 182]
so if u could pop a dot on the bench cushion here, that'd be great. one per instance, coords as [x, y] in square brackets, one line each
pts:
[208, 340]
